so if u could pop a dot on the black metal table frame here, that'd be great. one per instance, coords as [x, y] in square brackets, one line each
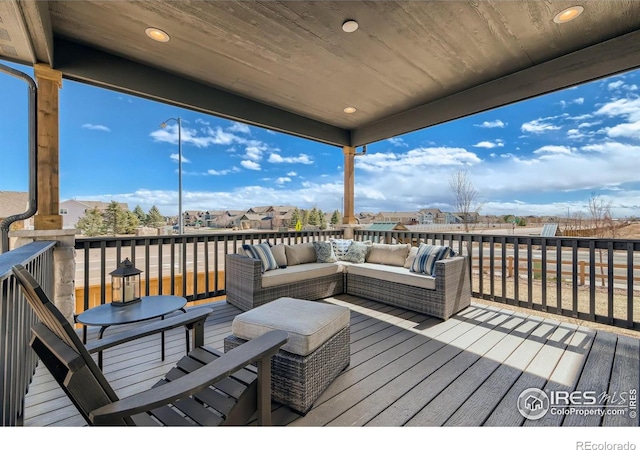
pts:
[108, 311]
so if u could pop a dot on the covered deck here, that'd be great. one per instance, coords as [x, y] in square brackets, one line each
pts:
[409, 369]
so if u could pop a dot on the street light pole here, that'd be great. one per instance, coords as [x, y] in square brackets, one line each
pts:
[163, 125]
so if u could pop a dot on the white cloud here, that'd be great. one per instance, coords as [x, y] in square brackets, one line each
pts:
[589, 124]
[575, 101]
[553, 149]
[282, 180]
[615, 85]
[397, 141]
[239, 128]
[90, 126]
[488, 144]
[292, 174]
[630, 130]
[541, 125]
[417, 159]
[300, 159]
[251, 165]
[253, 153]
[175, 157]
[624, 107]
[491, 124]
[223, 172]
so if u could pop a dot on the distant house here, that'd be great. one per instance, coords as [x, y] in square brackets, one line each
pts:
[72, 210]
[12, 203]
[406, 218]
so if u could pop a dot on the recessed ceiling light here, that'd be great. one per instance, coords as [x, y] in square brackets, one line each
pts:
[157, 34]
[349, 110]
[568, 14]
[349, 26]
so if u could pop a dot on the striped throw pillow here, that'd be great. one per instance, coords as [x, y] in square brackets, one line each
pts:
[263, 253]
[425, 260]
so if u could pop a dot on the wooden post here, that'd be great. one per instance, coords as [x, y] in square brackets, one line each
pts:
[349, 217]
[49, 81]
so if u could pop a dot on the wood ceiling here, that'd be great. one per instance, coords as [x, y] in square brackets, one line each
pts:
[288, 65]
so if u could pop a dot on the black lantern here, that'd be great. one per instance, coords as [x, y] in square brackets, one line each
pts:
[125, 284]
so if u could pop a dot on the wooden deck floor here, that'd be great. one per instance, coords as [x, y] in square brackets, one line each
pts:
[408, 369]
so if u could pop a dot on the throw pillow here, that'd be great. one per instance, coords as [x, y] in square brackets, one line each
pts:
[280, 255]
[340, 247]
[389, 254]
[412, 255]
[425, 261]
[324, 252]
[357, 252]
[300, 253]
[263, 253]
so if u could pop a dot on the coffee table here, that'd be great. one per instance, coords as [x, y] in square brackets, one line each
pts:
[149, 307]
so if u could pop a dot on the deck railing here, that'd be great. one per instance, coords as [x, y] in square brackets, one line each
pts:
[591, 279]
[188, 265]
[17, 361]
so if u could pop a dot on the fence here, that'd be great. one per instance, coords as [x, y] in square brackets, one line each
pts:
[17, 360]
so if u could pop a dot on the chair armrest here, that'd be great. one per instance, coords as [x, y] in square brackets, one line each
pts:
[188, 319]
[256, 349]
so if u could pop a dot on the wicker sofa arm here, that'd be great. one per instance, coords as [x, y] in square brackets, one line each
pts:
[242, 274]
[453, 279]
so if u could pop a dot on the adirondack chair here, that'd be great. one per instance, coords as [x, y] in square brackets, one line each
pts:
[206, 387]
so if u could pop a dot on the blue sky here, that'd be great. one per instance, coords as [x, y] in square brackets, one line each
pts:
[543, 156]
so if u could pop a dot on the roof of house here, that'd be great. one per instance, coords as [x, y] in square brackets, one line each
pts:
[13, 202]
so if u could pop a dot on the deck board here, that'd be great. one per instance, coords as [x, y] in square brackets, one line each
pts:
[406, 369]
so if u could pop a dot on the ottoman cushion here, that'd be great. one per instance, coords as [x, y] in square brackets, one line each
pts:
[309, 324]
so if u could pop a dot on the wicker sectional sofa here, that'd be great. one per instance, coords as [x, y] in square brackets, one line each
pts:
[385, 276]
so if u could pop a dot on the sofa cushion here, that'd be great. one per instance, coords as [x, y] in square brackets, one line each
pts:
[309, 324]
[324, 252]
[300, 253]
[340, 247]
[357, 252]
[425, 261]
[279, 253]
[394, 274]
[299, 272]
[390, 254]
[263, 253]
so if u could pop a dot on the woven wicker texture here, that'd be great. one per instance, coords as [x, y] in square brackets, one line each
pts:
[297, 381]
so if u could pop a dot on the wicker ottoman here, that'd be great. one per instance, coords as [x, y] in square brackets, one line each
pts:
[317, 351]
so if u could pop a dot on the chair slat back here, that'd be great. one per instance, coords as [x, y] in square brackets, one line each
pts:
[93, 390]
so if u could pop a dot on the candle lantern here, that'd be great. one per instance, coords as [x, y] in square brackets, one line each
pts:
[125, 284]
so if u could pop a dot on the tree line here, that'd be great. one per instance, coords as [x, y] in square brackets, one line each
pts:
[114, 220]
[314, 217]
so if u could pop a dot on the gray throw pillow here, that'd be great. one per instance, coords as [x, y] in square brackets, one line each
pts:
[324, 252]
[357, 252]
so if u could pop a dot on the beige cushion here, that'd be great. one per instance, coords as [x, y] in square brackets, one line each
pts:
[299, 272]
[279, 254]
[394, 274]
[412, 255]
[309, 324]
[300, 253]
[391, 254]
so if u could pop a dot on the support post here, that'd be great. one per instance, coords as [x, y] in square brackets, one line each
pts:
[349, 182]
[49, 81]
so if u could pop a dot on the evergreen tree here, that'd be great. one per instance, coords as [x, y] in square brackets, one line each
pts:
[305, 217]
[140, 214]
[313, 217]
[92, 223]
[155, 219]
[322, 220]
[132, 222]
[295, 217]
[335, 218]
[115, 219]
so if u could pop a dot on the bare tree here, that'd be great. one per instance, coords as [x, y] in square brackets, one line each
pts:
[466, 196]
[600, 212]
